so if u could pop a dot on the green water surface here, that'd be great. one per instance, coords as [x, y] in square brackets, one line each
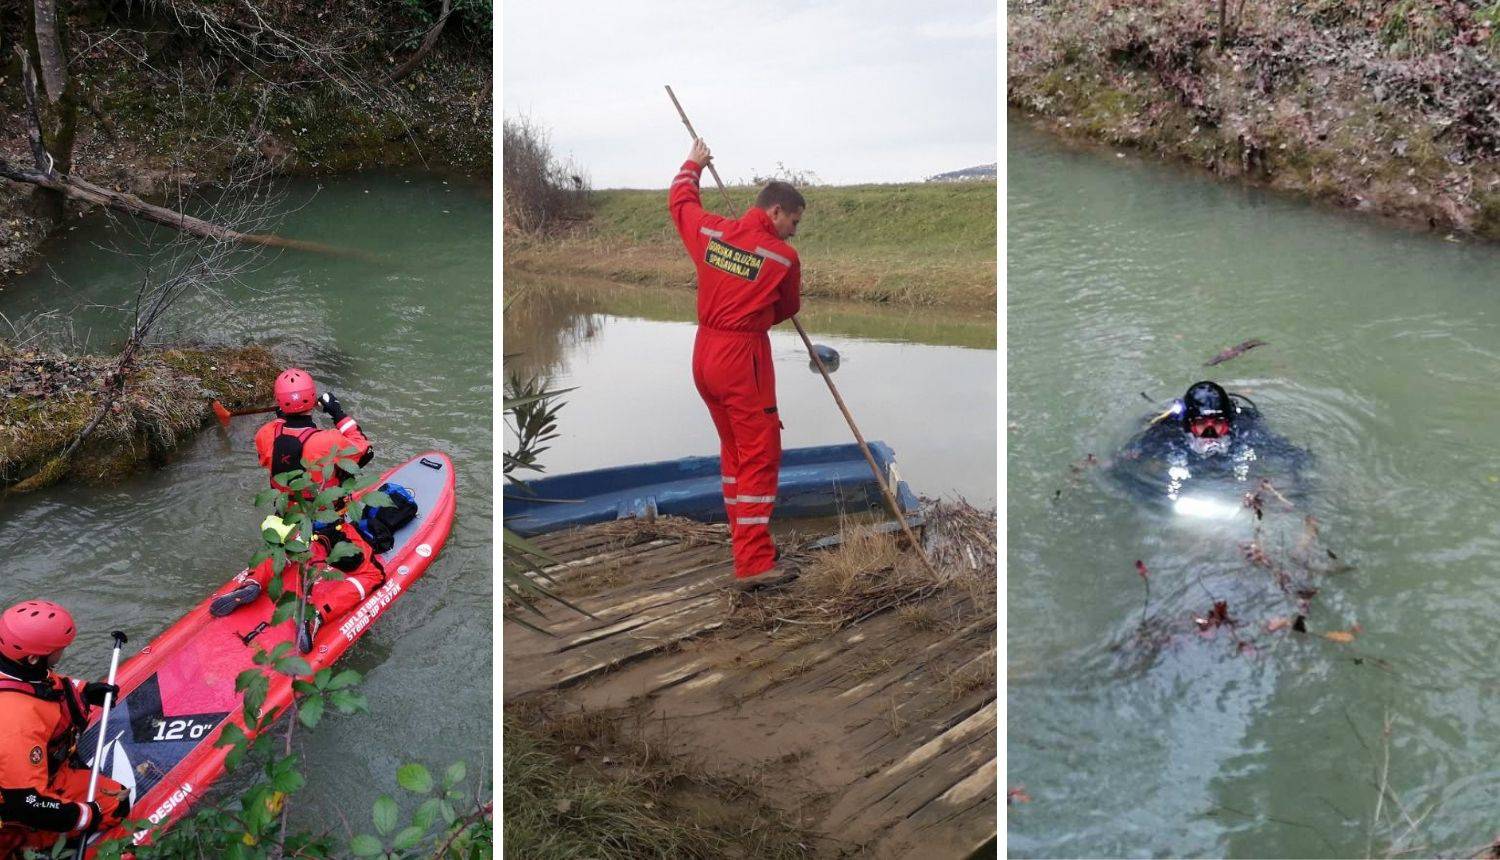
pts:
[1383, 351]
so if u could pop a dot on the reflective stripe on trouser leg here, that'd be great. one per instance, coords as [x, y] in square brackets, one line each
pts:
[734, 376]
[334, 598]
[758, 436]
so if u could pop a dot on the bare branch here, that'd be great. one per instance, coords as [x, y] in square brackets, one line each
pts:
[39, 152]
[428, 42]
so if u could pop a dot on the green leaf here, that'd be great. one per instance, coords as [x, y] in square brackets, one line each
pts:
[385, 815]
[310, 712]
[450, 815]
[427, 813]
[266, 496]
[346, 678]
[345, 549]
[306, 688]
[455, 774]
[408, 838]
[283, 612]
[348, 702]
[365, 845]
[293, 665]
[288, 782]
[414, 778]
[376, 499]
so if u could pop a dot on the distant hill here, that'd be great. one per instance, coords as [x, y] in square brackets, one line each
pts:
[983, 171]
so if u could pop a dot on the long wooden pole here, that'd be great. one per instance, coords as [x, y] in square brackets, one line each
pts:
[885, 489]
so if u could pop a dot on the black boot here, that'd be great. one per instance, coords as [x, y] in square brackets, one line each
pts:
[308, 630]
[241, 596]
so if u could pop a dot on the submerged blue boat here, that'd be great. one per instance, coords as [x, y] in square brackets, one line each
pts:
[814, 482]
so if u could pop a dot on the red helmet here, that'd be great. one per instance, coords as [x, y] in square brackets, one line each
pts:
[295, 391]
[35, 628]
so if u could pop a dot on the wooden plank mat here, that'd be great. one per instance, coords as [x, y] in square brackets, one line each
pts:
[881, 737]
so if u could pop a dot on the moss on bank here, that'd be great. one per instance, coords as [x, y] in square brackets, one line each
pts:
[1333, 101]
[912, 244]
[49, 399]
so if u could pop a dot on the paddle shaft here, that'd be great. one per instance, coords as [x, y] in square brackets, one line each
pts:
[109, 701]
[885, 490]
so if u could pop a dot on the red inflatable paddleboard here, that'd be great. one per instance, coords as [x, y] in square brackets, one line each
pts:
[177, 693]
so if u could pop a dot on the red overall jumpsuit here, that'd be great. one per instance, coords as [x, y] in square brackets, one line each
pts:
[748, 280]
[292, 440]
[41, 793]
[331, 598]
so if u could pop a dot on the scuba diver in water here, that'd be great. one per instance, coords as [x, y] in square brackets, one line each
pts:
[1209, 435]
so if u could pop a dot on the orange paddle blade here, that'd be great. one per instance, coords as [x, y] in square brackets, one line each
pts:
[221, 413]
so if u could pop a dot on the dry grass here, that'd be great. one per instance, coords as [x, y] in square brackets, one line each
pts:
[869, 573]
[978, 674]
[50, 398]
[607, 784]
[689, 532]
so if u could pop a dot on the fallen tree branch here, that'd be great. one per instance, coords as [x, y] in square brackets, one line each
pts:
[46, 175]
[428, 43]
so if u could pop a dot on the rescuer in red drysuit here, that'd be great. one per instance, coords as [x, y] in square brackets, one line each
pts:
[749, 279]
[43, 791]
[361, 573]
[284, 444]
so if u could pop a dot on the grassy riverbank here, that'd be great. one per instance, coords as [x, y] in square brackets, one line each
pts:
[915, 244]
[50, 398]
[1377, 105]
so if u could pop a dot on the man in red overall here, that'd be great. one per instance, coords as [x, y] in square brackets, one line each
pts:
[749, 279]
[43, 791]
[284, 443]
[360, 573]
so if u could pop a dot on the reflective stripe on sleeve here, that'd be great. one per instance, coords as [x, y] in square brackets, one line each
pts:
[730, 479]
[754, 500]
[752, 521]
[772, 255]
[347, 424]
[357, 587]
[717, 234]
[730, 500]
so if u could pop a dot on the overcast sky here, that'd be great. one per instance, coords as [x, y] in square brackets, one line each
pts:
[852, 90]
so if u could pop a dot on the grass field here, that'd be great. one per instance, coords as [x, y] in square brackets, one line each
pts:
[915, 244]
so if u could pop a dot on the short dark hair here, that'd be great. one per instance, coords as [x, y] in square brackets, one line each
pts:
[778, 193]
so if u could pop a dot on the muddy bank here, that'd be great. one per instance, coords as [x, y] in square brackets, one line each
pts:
[163, 97]
[1391, 108]
[50, 398]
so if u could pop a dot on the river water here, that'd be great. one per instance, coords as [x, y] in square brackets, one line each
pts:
[404, 338]
[1382, 351]
[627, 352]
